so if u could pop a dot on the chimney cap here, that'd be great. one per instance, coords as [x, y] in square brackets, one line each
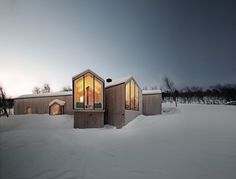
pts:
[108, 80]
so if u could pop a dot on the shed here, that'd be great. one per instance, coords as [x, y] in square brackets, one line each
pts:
[152, 102]
[88, 100]
[123, 101]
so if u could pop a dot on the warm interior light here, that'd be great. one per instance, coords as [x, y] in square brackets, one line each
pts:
[81, 99]
[88, 93]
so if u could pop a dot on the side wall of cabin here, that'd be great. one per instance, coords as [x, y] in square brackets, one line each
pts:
[152, 104]
[40, 105]
[115, 105]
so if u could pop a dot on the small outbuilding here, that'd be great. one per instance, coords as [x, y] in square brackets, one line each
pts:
[152, 102]
[56, 107]
[123, 101]
[88, 100]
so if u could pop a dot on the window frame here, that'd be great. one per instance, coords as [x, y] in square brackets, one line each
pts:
[93, 82]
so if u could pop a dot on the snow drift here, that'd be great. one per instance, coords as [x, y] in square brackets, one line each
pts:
[196, 141]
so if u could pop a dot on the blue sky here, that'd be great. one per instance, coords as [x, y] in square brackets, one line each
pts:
[193, 41]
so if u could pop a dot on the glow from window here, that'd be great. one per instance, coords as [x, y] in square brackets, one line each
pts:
[88, 92]
[131, 95]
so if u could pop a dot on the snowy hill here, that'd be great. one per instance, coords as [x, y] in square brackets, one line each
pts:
[194, 141]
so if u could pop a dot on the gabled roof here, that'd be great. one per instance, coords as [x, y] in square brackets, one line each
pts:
[62, 93]
[151, 91]
[87, 71]
[120, 81]
[58, 101]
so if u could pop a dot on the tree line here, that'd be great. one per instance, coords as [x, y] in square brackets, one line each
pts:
[5, 103]
[217, 94]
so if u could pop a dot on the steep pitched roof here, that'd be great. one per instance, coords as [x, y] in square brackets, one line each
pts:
[119, 81]
[87, 71]
[58, 101]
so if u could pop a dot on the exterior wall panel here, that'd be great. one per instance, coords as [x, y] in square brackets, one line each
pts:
[40, 105]
[84, 119]
[152, 104]
[115, 105]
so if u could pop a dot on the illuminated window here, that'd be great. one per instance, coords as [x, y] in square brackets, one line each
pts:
[55, 109]
[131, 95]
[127, 95]
[88, 92]
[98, 94]
[136, 98]
[28, 110]
[79, 93]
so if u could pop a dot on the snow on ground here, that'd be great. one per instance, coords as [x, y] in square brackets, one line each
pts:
[194, 141]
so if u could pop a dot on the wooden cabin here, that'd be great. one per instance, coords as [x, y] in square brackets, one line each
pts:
[152, 102]
[88, 100]
[92, 104]
[123, 101]
[44, 103]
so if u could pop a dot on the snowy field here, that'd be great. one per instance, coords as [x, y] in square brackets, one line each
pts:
[192, 142]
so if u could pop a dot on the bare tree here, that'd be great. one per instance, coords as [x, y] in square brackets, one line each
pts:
[3, 103]
[66, 88]
[145, 88]
[154, 88]
[46, 88]
[169, 84]
[36, 90]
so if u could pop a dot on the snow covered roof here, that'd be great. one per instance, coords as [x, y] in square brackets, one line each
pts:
[151, 91]
[87, 71]
[58, 101]
[62, 93]
[119, 81]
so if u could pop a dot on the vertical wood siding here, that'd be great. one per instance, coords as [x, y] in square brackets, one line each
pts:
[40, 105]
[115, 105]
[152, 104]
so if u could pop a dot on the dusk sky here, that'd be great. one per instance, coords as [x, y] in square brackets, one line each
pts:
[192, 41]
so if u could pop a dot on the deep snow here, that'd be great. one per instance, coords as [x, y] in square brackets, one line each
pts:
[194, 141]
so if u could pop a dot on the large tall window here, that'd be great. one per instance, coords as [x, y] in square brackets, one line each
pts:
[131, 95]
[98, 94]
[88, 92]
